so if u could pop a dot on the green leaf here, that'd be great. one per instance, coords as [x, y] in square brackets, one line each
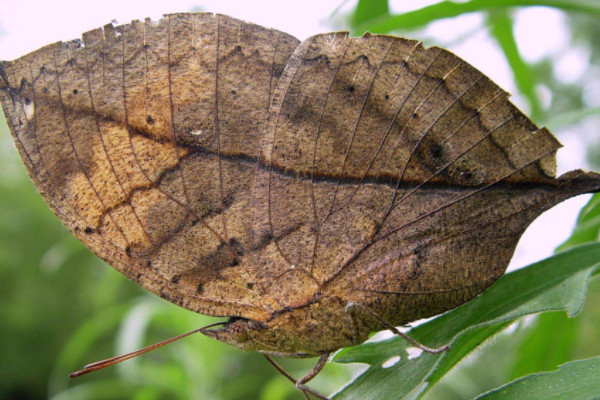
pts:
[448, 9]
[573, 380]
[571, 117]
[405, 378]
[588, 225]
[367, 10]
[501, 28]
[81, 343]
[557, 283]
[555, 330]
[106, 389]
[590, 211]
[548, 331]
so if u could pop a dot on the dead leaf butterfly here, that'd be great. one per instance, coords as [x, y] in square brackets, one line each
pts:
[313, 192]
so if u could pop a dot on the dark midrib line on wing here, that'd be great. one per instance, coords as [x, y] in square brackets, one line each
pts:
[333, 178]
[382, 180]
[264, 165]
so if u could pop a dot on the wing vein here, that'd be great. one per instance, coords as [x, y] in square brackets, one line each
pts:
[72, 143]
[104, 148]
[314, 156]
[474, 192]
[47, 188]
[217, 131]
[172, 111]
[364, 103]
[138, 163]
[413, 152]
[395, 194]
[392, 122]
[270, 176]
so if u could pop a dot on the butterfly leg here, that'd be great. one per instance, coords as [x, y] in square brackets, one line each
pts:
[351, 308]
[301, 383]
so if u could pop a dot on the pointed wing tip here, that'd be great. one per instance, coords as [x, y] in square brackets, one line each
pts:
[579, 181]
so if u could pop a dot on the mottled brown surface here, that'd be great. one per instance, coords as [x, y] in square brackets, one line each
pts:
[236, 172]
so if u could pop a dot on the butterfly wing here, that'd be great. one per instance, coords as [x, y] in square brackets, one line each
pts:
[398, 176]
[143, 138]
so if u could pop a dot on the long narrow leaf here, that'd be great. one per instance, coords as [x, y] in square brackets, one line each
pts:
[571, 118]
[367, 10]
[573, 380]
[588, 225]
[448, 9]
[501, 28]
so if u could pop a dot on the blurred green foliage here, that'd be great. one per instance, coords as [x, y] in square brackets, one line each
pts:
[447, 9]
[62, 307]
[368, 10]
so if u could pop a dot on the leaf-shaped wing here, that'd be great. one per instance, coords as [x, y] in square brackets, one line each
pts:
[141, 139]
[391, 169]
[204, 160]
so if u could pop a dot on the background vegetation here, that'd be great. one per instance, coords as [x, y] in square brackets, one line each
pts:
[61, 307]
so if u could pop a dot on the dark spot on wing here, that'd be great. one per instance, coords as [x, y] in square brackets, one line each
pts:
[237, 246]
[228, 201]
[435, 150]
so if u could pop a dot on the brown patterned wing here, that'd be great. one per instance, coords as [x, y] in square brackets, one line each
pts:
[393, 170]
[143, 140]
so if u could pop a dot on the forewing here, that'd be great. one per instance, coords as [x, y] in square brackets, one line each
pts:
[143, 139]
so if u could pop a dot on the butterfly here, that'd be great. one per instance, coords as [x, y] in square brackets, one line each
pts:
[312, 192]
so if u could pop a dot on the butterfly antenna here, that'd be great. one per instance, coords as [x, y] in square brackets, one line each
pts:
[115, 360]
